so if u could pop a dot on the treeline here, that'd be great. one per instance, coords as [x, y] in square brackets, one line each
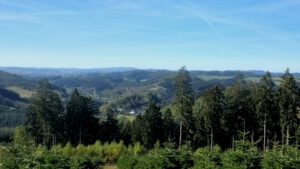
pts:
[263, 113]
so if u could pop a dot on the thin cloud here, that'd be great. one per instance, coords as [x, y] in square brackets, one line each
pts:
[273, 6]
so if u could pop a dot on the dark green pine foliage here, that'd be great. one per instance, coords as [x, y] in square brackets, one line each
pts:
[148, 128]
[240, 117]
[212, 110]
[184, 101]
[199, 139]
[124, 125]
[266, 109]
[288, 100]
[169, 127]
[81, 123]
[137, 129]
[109, 128]
[45, 116]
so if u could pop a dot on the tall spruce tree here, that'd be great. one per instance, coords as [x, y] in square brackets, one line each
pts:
[288, 100]
[266, 108]
[169, 126]
[81, 123]
[109, 128]
[148, 128]
[199, 138]
[153, 125]
[240, 115]
[212, 108]
[184, 101]
[45, 116]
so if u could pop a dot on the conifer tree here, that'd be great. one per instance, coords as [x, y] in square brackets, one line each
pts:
[184, 100]
[212, 110]
[81, 123]
[288, 100]
[266, 109]
[45, 116]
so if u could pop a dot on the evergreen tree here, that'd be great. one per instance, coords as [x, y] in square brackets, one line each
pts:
[148, 128]
[137, 129]
[184, 100]
[109, 128]
[125, 130]
[153, 125]
[169, 126]
[288, 100]
[266, 108]
[81, 123]
[45, 116]
[212, 108]
[240, 115]
[199, 139]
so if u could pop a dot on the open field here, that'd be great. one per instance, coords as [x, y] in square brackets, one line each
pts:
[214, 77]
[24, 93]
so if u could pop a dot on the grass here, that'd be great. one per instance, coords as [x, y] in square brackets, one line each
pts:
[24, 93]
[214, 77]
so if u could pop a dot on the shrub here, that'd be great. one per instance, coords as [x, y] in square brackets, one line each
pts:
[204, 158]
[286, 158]
[127, 162]
[238, 159]
[113, 151]
[86, 163]
[158, 159]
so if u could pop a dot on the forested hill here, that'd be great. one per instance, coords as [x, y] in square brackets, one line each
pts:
[128, 88]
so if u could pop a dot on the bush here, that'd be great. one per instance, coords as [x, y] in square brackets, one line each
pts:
[127, 162]
[86, 163]
[113, 151]
[238, 159]
[204, 158]
[158, 159]
[286, 158]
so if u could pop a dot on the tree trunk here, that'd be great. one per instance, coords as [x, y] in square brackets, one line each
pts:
[288, 135]
[211, 138]
[244, 134]
[80, 134]
[180, 133]
[265, 128]
[233, 141]
[282, 137]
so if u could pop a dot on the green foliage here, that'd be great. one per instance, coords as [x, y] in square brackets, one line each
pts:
[206, 158]
[127, 161]
[282, 158]
[243, 157]
[86, 163]
[147, 128]
[240, 114]
[183, 103]
[158, 159]
[288, 101]
[109, 129]
[45, 116]
[212, 108]
[81, 125]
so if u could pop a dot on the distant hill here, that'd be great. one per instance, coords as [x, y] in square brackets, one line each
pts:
[46, 72]
[10, 79]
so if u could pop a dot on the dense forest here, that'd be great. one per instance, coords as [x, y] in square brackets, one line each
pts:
[237, 124]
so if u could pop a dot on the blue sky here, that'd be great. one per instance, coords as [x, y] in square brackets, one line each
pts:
[206, 35]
